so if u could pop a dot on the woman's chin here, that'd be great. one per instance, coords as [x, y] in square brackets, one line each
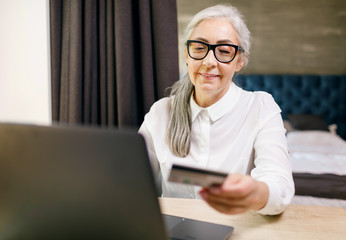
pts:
[207, 88]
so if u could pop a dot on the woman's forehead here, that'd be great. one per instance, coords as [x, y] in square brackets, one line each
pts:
[214, 31]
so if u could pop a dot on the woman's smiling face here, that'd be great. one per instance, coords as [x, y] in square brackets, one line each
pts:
[210, 77]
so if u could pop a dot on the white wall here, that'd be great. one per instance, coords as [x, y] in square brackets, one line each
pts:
[25, 61]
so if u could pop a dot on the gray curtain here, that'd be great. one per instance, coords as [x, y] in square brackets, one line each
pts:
[111, 59]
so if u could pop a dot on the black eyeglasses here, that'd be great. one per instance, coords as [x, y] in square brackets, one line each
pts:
[224, 52]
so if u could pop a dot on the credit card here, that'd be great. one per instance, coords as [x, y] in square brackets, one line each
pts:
[196, 176]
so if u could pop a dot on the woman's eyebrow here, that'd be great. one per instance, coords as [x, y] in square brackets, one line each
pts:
[225, 41]
[218, 42]
[202, 39]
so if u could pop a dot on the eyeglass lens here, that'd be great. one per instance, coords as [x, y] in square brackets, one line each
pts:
[223, 53]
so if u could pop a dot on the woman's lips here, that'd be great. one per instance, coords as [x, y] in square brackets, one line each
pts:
[209, 75]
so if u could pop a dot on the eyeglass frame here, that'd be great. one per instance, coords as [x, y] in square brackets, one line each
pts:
[212, 47]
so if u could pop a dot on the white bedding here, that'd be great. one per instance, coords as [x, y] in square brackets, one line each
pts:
[317, 163]
[316, 141]
[307, 200]
[317, 152]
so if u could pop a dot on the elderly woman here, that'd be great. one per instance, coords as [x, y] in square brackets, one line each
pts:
[209, 122]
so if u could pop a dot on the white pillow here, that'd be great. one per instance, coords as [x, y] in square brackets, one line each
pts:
[315, 141]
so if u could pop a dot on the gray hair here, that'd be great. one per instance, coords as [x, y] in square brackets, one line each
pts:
[178, 134]
[231, 14]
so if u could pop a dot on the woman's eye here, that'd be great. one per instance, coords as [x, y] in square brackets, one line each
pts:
[224, 52]
[199, 48]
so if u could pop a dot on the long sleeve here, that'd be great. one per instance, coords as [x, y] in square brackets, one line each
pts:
[144, 131]
[272, 163]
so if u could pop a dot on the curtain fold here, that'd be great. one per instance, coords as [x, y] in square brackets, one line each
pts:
[111, 59]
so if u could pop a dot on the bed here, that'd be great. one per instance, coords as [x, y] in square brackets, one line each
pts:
[314, 112]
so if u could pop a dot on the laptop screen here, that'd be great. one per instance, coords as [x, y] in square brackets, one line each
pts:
[65, 182]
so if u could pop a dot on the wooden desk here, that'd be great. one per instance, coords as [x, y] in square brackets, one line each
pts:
[297, 222]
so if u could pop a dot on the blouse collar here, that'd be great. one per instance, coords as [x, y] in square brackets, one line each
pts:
[221, 107]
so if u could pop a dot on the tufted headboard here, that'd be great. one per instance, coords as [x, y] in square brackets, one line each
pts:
[304, 94]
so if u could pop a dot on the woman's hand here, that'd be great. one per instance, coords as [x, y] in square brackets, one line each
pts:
[237, 194]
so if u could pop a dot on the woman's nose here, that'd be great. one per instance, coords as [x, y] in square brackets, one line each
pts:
[210, 59]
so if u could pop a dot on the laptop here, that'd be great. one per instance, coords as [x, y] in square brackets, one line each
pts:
[73, 182]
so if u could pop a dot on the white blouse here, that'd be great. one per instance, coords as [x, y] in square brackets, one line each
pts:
[241, 133]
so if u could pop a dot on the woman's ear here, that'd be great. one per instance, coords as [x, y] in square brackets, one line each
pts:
[186, 54]
[240, 63]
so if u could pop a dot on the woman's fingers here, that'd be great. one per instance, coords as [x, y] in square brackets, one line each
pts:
[225, 207]
[222, 200]
[237, 194]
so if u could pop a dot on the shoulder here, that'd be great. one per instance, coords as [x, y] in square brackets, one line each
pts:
[159, 112]
[260, 97]
[156, 120]
[162, 105]
[265, 99]
[261, 103]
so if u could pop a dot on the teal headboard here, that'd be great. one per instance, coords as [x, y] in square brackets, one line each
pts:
[304, 94]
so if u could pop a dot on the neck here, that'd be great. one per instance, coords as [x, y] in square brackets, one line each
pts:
[204, 101]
